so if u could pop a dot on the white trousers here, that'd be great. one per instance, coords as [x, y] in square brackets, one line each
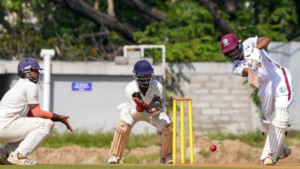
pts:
[159, 120]
[278, 92]
[24, 134]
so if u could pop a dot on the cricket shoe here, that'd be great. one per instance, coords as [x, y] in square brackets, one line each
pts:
[167, 160]
[3, 157]
[268, 161]
[286, 152]
[113, 160]
[20, 160]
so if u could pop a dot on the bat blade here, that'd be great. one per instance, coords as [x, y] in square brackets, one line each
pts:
[253, 79]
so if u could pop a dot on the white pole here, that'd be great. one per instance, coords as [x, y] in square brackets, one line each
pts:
[47, 54]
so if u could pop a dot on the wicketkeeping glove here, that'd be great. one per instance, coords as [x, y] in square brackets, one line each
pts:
[255, 57]
[140, 104]
[154, 105]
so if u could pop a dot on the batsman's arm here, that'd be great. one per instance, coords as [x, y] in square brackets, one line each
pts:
[262, 42]
[245, 72]
[36, 111]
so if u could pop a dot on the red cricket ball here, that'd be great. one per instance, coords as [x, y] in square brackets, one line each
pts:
[213, 147]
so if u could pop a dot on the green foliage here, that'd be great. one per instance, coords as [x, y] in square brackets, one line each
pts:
[187, 32]
[266, 18]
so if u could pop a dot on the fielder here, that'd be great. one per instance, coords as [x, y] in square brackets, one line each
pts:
[142, 103]
[24, 126]
[275, 91]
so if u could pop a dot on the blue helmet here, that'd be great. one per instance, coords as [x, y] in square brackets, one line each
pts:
[25, 66]
[28, 64]
[143, 73]
[142, 67]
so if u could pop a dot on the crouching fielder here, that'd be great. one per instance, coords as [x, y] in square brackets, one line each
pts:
[275, 91]
[142, 103]
[23, 125]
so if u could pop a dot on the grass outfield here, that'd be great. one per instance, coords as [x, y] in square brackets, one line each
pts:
[138, 166]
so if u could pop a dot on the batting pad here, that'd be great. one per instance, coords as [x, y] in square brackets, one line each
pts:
[166, 140]
[278, 126]
[265, 125]
[120, 139]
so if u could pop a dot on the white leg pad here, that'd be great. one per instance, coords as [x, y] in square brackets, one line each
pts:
[275, 137]
[265, 125]
[120, 139]
[166, 140]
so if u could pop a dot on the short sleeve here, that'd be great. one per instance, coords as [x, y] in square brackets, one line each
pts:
[238, 66]
[32, 93]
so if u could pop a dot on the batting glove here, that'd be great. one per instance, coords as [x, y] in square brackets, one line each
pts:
[255, 57]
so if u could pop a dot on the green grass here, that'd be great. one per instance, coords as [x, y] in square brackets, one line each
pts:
[103, 139]
[255, 139]
[98, 139]
[106, 166]
[146, 159]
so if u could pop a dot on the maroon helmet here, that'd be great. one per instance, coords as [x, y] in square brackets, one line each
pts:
[230, 42]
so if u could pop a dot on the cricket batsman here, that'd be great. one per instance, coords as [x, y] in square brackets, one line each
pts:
[275, 90]
[143, 102]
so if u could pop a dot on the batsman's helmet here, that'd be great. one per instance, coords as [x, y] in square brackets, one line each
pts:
[229, 42]
[26, 65]
[143, 72]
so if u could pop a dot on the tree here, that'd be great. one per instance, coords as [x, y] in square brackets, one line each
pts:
[191, 29]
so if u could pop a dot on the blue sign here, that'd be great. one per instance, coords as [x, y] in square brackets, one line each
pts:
[81, 86]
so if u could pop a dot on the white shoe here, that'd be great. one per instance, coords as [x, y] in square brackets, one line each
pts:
[167, 160]
[3, 157]
[268, 161]
[20, 160]
[113, 160]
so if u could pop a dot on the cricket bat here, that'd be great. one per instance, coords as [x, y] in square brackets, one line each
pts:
[253, 76]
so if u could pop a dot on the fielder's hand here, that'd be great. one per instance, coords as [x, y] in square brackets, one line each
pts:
[64, 119]
[140, 104]
[154, 105]
[255, 57]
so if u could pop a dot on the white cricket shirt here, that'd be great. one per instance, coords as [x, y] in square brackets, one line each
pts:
[15, 103]
[268, 66]
[155, 88]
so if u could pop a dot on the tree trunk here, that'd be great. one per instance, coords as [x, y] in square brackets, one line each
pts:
[5, 24]
[96, 4]
[145, 9]
[221, 23]
[110, 8]
[83, 9]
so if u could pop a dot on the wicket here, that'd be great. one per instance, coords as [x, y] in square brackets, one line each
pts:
[182, 147]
